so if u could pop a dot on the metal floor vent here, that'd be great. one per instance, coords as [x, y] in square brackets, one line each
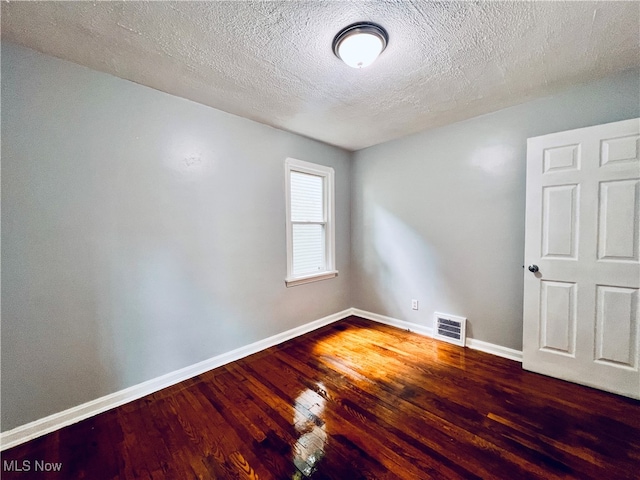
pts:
[449, 328]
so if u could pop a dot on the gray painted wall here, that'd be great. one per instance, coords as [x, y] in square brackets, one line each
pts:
[141, 233]
[439, 216]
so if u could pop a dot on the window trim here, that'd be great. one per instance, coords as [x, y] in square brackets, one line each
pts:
[292, 164]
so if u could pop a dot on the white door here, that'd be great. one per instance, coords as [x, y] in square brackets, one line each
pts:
[581, 312]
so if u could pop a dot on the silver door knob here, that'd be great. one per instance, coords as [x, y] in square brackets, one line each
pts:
[533, 268]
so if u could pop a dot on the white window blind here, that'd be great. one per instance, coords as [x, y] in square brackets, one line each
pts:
[308, 223]
[310, 240]
[308, 249]
[307, 197]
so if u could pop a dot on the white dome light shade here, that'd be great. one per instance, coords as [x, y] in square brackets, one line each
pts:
[360, 50]
[358, 45]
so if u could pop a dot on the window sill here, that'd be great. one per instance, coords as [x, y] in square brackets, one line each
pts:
[292, 282]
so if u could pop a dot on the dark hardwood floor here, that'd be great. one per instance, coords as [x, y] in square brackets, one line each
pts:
[353, 400]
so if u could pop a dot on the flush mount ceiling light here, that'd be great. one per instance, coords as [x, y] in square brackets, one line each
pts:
[358, 45]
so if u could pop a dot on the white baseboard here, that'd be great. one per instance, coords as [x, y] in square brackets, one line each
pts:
[48, 424]
[494, 349]
[472, 343]
[394, 322]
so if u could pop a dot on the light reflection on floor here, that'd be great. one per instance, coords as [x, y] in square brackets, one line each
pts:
[309, 423]
[365, 372]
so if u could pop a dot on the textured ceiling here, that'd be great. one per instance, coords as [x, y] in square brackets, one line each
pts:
[272, 61]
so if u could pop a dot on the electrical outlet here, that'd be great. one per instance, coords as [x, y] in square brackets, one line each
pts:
[414, 304]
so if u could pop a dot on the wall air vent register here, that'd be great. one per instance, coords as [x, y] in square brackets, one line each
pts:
[449, 328]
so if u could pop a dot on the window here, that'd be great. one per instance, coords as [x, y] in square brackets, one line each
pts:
[310, 229]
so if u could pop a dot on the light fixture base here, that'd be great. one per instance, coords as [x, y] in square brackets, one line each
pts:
[359, 28]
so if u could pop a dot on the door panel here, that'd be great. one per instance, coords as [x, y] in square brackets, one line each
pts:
[558, 317]
[618, 213]
[623, 149]
[562, 158]
[583, 232]
[616, 325]
[559, 221]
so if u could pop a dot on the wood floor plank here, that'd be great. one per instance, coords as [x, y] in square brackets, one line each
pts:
[484, 453]
[353, 400]
[278, 377]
